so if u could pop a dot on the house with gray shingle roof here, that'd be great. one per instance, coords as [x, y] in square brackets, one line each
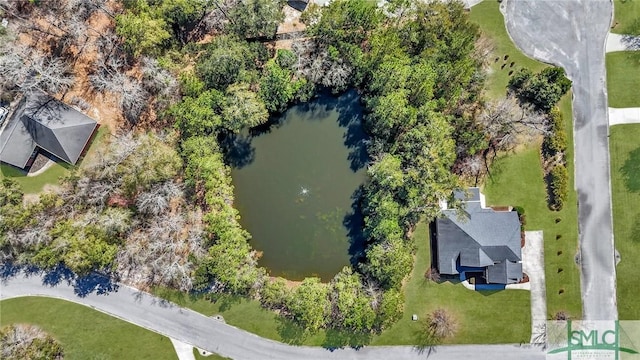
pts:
[41, 122]
[475, 238]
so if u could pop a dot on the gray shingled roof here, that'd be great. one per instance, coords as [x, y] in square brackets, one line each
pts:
[41, 121]
[505, 272]
[478, 237]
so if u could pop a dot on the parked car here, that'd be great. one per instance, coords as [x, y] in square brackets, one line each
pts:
[3, 114]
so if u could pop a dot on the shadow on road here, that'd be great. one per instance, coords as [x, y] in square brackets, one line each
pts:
[84, 285]
[94, 283]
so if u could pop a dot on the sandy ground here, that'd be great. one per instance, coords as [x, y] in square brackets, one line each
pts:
[624, 116]
[617, 42]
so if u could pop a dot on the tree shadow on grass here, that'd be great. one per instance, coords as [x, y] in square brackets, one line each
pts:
[224, 301]
[631, 171]
[426, 341]
[338, 339]
[290, 332]
[635, 234]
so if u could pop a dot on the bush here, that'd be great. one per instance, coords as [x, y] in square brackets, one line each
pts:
[519, 210]
[556, 141]
[543, 90]
[558, 186]
[21, 341]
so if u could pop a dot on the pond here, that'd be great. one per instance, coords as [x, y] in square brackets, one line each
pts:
[296, 187]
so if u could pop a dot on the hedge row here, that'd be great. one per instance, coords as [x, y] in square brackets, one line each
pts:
[556, 140]
[558, 186]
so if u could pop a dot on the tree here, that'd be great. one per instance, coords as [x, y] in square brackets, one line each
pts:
[352, 306]
[256, 18]
[10, 192]
[198, 116]
[243, 108]
[227, 60]
[440, 324]
[507, 123]
[390, 308]
[277, 88]
[275, 294]
[142, 32]
[388, 262]
[22, 341]
[110, 77]
[309, 304]
[543, 90]
[29, 70]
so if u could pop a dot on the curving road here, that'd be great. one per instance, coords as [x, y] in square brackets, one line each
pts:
[572, 34]
[185, 325]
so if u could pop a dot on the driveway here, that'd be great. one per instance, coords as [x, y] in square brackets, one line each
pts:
[533, 266]
[206, 333]
[572, 34]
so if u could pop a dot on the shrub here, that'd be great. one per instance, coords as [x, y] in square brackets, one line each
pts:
[21, 341]
[441, 325]
[543, 90]
[558, 186]
[556, 141]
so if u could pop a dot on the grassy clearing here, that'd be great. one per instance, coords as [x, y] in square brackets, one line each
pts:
[623, 68]
[51, 176]
[626, 17]
[625, 189]
[481, 315]
[85, 333]
[488, 16]
[517, 180]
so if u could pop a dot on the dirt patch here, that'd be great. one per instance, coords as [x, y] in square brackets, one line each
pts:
[291, 284]
[291, 21]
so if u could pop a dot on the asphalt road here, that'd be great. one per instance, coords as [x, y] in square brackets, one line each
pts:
[209, 334]
[572, 34]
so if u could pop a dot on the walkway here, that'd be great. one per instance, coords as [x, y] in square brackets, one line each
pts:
[206, 333]
[533, 266]
[617, 42]
[572, 34]
[619, 116]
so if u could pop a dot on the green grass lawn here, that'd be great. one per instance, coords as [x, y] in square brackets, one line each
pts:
[623, 78]
[626, 17]
[85, 333]
[517, 180]
[35, 184]
[488, 16]
[625, 191]
[484, 317]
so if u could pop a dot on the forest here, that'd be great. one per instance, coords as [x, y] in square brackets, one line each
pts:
[154, 205]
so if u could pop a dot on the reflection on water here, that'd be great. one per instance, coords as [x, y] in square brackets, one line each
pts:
[297, 192]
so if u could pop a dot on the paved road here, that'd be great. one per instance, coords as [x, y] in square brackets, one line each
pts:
[572, 34]
[212, 335]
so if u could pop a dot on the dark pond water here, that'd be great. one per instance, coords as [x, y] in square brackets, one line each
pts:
[296, 187]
